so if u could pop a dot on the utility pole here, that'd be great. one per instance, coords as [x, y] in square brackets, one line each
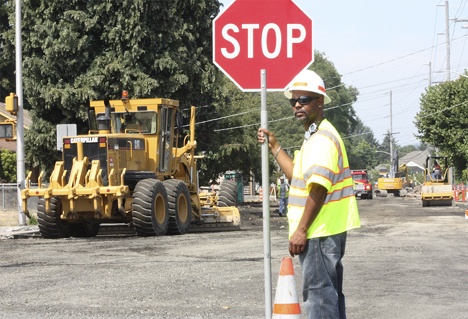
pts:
[392, 173]
[20, 167]
[430, 73]
[447, 39]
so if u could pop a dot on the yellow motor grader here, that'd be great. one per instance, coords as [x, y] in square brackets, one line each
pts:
[130, 169]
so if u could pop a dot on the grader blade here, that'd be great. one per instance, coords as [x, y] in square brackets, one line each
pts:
[218, 219]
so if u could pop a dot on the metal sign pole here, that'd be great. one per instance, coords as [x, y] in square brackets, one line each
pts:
[20, 166]
[266, 200]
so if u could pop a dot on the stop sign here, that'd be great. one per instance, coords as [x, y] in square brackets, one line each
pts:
[251, 35]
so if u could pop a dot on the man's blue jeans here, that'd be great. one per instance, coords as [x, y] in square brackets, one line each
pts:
[322, 273]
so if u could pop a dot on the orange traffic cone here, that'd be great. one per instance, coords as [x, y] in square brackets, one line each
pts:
[286, 302]
[260, 194]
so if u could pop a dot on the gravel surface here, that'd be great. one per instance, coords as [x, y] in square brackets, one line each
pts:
[405, 262]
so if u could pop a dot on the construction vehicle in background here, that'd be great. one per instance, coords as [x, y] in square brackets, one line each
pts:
[362, 185]
[394, 185]
[437, 188]
[134, 167]
[236, 177]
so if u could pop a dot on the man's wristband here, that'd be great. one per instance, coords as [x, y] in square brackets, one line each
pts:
[277, 151]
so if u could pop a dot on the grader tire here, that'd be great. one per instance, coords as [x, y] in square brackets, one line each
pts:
[180, 212]
[50, 225]
[150, 211]
[227, 193]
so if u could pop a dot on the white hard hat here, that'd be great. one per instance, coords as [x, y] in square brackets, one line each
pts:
[307, 80]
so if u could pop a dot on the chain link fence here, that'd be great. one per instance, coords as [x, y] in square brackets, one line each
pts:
[9, 204]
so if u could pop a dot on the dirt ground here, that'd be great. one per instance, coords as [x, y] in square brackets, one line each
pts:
[404, 262]
[9, 218]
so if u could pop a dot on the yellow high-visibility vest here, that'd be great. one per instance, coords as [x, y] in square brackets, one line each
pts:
[322, 159]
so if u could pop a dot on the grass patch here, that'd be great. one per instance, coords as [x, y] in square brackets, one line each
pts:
[33, 220]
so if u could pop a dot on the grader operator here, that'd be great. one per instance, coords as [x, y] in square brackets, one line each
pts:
[130, 169]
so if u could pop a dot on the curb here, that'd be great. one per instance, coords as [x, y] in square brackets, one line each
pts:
[19, 232]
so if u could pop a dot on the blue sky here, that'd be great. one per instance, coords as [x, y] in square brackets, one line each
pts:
[386, 46]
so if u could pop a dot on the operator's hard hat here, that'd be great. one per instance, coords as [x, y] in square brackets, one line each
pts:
[307, 80]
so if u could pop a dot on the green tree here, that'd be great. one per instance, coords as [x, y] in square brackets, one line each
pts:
[229, 138]
[7, 166]
[383, 154]
[407, 149]
[340, 111]
[7, 56]
[422, 147]
[79, 50]
[75, 50]
[363, 146]
[442, 120]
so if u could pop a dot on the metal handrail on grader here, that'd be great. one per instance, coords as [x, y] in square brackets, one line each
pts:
[130, 169]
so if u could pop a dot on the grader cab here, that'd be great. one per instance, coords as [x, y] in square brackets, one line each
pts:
[130, 169]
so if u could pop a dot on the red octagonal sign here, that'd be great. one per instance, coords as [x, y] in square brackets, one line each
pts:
[251, 35]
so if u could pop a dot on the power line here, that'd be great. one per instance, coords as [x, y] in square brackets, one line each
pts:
[255, 124]
[402, 88]
[270, 121]
[440, 111]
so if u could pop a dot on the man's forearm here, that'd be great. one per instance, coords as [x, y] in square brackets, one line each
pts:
[313, 206]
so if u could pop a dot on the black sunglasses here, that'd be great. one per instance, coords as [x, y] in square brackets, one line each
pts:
[303, 100]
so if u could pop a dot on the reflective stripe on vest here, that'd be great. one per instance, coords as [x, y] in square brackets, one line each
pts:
[331, 197]
[322, 171]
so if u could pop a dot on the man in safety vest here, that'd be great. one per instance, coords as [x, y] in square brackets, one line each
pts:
[322, 206]
[283, 194]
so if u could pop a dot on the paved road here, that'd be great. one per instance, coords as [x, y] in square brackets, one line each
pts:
[405, 262]
[408, 261]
